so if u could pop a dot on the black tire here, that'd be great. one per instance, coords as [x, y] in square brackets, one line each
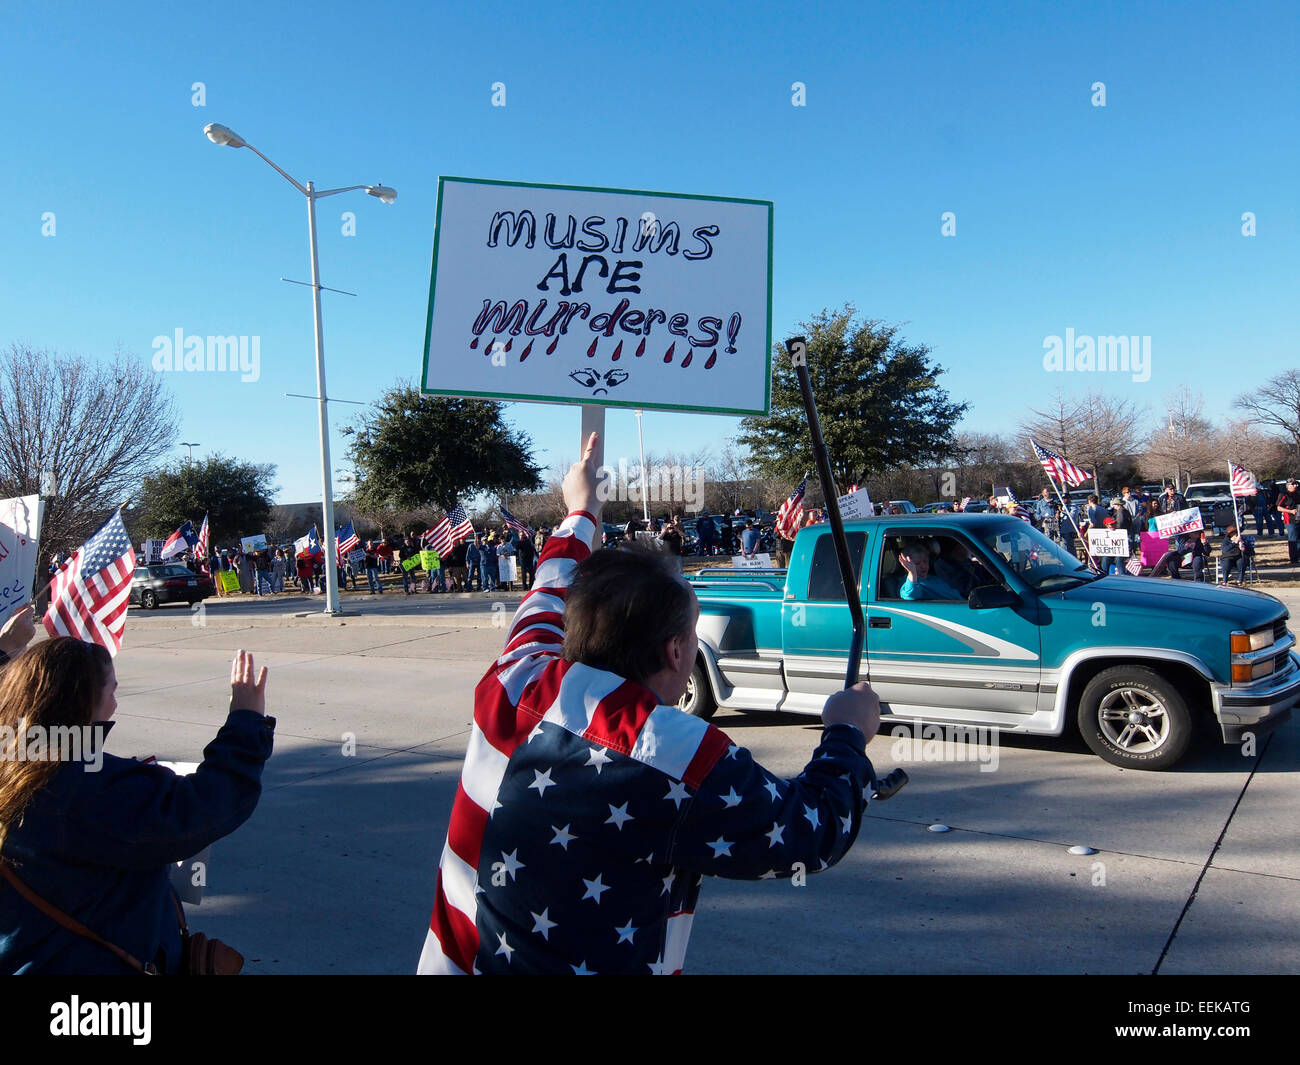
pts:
[698, 700]
[1134, 718]
[149, 600]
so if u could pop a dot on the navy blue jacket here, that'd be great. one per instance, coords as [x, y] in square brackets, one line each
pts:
[99, 846]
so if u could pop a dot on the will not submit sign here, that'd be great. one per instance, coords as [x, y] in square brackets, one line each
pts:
[560, 294]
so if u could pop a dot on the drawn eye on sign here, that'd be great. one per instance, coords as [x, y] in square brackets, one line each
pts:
[598, 382]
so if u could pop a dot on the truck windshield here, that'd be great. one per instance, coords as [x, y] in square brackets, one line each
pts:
[1033, 557]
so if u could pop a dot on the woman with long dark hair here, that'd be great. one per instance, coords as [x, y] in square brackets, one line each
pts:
[91, 836]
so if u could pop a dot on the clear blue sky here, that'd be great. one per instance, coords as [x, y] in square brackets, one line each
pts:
[1117, 220]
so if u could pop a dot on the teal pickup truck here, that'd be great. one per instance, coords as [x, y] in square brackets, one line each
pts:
[1004, 631]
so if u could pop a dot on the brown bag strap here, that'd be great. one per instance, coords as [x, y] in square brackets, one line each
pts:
[70, 923]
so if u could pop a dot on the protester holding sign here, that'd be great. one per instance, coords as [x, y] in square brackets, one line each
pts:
[646, 800]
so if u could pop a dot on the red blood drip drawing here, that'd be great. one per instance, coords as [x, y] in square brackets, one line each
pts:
[711, 360]
[671, 347]
[551, 349]
[640, 348]
[527, 351]
[509, 343]
[689, 356]
[618, 353]
[591, 351]
[474, 343]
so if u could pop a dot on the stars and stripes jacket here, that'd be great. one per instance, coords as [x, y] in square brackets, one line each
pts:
[587, 812]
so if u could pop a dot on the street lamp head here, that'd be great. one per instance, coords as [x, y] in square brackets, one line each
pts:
[385, 194]
[219, 134]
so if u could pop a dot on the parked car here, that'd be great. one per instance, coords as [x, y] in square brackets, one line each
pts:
[1022, 652]
[170, 582]
[936, 508]
[1214, 498]
[905, 505]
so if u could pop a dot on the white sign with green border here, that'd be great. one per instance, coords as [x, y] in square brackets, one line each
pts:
[612, 297]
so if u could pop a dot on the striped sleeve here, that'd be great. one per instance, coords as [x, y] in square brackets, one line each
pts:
[539, 622]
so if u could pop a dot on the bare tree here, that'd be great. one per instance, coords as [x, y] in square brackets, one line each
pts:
[1185, 443]
[81, 434]
[1276, 404]
[1093, 431]
[1266, 455]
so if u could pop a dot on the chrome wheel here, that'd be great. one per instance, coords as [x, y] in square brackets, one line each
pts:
[1134, 721]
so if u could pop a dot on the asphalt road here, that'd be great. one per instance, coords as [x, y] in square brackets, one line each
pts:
[1196, 871]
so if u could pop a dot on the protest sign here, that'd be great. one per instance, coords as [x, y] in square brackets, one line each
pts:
[609, 297]
[229, 580]
[358, 559]
[1109, 544]
[252, 543]
[506, 569]
[411, 563]
[763, 561]
[429, 560]
[1179, 522]
[20, 547]
[1154, 547]
[856, 505]
[152, 551]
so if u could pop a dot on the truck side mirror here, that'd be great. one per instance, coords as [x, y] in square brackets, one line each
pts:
[992, 597]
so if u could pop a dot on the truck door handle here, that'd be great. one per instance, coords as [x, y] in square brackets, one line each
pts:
[878, 622]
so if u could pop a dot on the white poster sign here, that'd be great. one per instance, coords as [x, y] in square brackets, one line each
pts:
[506, 571]
[152, 551]
[615, 297]
[254, 543]
[1179, 522]
[1108, 544]
[20, 549]
[856, 505]
[761, 561]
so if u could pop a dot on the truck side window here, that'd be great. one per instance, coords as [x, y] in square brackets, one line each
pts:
[950, 569]
[824, 580]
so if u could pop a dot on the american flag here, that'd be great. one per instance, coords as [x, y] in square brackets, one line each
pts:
[787, 518]
[1063, 470]
[514, 522]
[451, 530]
[1134, 565]
[88, 597]
[1017, 508]
[1243, 484]
[347, 541]
[202, 548]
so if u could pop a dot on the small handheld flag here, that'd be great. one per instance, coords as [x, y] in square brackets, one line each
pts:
[88, 596]
[788, 517]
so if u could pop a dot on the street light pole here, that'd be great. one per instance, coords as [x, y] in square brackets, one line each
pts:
[190, 448]
[326, 481]
[223, 135]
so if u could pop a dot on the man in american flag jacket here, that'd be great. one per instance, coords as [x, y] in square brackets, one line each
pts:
[589, 806]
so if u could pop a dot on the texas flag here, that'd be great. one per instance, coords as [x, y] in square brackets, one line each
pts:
[180, 541]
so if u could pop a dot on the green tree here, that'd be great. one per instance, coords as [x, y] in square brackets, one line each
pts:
[411, 450]
[235, 495]
[878, 400]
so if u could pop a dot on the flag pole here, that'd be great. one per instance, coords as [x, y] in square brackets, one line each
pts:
[798, 349]
[593, 421]
[1236, 518]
